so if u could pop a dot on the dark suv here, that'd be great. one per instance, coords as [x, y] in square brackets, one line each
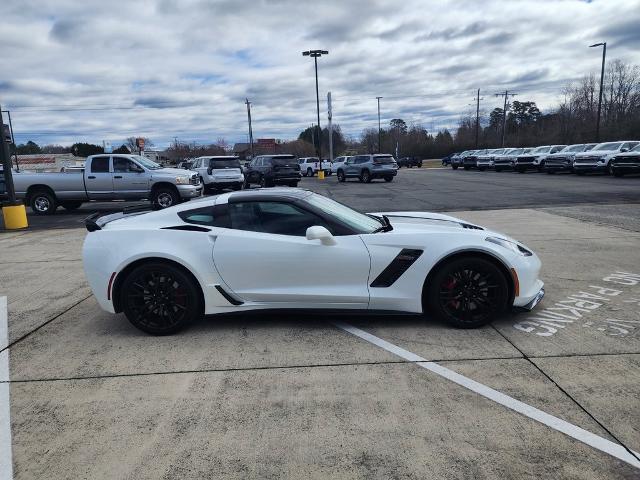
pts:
[367, 167]
[270, 170]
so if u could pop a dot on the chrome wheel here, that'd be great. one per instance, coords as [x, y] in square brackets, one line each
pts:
[41, 204]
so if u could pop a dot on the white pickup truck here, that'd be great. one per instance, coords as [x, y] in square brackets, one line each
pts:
[107, 177]
[309, 166]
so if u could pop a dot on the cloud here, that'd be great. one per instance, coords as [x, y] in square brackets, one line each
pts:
[162, 68]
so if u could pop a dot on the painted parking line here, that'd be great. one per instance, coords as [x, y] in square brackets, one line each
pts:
[556, 423]
[6, 467]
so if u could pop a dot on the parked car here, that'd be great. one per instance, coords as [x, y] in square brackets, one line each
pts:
[446, 160]
[270, 170]
[309, 166]
[471, 160]
[628, 162]
[562, 161]
[485, 161]
[369, 167]
[186, 165]
[597, 159]
[409, 162]
[337, 163]
[458, 160]
[219, 172]
[535, 159]
[506, 160]
[412, 262]
[107, 177]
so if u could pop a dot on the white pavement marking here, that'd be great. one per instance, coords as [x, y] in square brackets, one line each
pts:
[556, 423]
[6, 467]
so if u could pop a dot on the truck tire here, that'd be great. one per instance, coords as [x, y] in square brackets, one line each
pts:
[309, 172]
[43, 203]
[165, 197]
[72, 205]
[341, 177]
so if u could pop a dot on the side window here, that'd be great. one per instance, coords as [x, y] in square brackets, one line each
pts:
[198, 216]
[100, 165]
[362, 159]
[124, 165]
[279, 218]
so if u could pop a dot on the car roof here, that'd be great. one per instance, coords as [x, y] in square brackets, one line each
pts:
[218, 157]
[272, 193]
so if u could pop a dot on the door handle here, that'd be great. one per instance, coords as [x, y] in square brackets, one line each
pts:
[117, 176]
[91, 177]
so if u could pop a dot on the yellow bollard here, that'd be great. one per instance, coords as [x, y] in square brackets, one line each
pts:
[320, 174]
[15, 216]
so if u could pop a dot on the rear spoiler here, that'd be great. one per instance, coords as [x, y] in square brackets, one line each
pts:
[96, 221]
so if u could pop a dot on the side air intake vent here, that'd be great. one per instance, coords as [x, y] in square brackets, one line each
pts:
[397, 267]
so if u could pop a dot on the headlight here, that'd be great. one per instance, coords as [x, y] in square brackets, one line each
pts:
[513, 246]
[182, 180]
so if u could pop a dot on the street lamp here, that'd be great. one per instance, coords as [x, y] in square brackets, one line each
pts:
[379, 129]
[604, 54]
[315, 54]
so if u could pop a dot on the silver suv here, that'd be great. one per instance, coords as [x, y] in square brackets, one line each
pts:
[219, 172]
[368, 167]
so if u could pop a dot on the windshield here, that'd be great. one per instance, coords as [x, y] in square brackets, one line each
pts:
[146, 163]
[385, 159]
[225, 163]
[541, 150]
[516, 151]
[574, 148]
[636, 148]
[283, 162]
[498, 151]
[359, 222]
[608, 146]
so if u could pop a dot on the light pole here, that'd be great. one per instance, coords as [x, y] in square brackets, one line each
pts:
[379, 129]
[250, 129]
[315, 54]
[604, 55]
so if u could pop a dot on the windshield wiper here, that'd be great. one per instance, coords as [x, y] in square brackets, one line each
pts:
[386, 224]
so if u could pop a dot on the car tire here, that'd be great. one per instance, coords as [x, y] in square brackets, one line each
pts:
[482, 169]
[388, 179]
[43, 203]
[550, 172]
[309, 172]
[466, 168]
[419, 165]
[365, 176]
[71, 205]
[478, 282]
[455, 167]
[160, 298]
[165, 197]
[520, 170]
[578, 172]
[498, 169]
[238, 186]
[341, 177]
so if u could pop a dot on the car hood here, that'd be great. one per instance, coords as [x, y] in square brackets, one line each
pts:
[597, 153]
[173, 171]
[425, 220]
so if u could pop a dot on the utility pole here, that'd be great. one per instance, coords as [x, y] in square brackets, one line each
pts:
[250, 129]
[604, 54]
[506, 96]
[329, 115]
[379, 128]
[477, 117]
[315, 54]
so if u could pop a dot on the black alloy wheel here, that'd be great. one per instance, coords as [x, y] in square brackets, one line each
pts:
[160, 299]
[468, 292]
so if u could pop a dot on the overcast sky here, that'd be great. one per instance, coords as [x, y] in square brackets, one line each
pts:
[91, 71]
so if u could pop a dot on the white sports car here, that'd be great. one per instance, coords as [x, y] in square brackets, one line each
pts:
[287, 248]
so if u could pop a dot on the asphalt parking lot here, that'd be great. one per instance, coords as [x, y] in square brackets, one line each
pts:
[316, 396]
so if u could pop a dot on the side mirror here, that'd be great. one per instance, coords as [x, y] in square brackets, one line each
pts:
[623, 150]
[320, 233]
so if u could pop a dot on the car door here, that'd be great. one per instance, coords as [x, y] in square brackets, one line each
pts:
[350, 168]
[129, 179]
[99, 179]
[266, 258]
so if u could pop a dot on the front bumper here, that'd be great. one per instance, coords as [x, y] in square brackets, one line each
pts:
[589, 167]
[226, 183]
[532, 303]
[626, 166]
[189, 191]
